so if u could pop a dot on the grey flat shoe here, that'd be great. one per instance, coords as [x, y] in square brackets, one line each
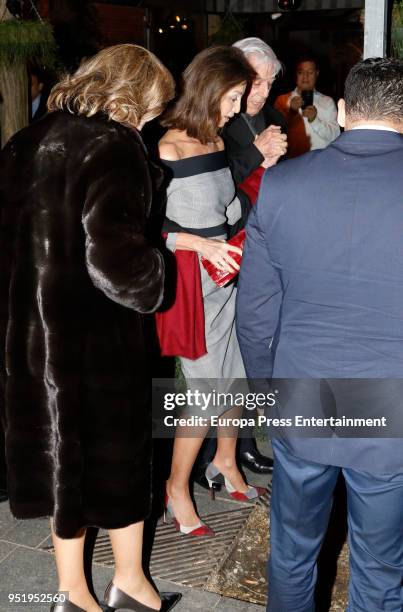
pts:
[66, 606]
[115, 599]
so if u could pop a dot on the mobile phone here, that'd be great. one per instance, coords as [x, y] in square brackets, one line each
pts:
[307, 98]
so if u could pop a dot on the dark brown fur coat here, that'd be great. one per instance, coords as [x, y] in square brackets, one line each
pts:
[76, 276]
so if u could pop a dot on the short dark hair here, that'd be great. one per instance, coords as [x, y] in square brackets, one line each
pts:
[208, 77]
[306, 57]
[374, 90]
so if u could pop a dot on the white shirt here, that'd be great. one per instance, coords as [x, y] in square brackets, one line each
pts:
[324, 128]
[375, 126]
[35, 104]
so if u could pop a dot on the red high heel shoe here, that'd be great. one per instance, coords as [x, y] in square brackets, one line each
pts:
[215, 480]
[200, 529]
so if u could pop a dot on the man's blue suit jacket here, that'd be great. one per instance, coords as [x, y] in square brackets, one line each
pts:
[321, 284]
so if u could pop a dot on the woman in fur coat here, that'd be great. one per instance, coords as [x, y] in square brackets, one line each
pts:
[77, 274]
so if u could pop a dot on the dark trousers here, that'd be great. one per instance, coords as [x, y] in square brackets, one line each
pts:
[302, 496]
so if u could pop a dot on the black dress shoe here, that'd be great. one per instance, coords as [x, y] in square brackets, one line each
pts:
[199, 475]
[3, 495]
[115, 599]
[251, 458]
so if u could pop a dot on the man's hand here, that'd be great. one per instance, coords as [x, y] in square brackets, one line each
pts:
[310, 113]
[295, 103]
[271, 143]
[268, 162]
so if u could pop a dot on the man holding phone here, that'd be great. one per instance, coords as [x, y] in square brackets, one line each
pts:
[311, 116]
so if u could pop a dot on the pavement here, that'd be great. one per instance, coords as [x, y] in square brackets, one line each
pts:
[25, 568]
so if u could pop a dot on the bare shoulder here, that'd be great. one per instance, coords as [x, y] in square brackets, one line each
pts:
[168, 148]
[168, 151]
[176, 144]
[171, 145]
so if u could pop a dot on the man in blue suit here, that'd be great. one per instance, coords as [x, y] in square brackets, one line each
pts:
[320, 308]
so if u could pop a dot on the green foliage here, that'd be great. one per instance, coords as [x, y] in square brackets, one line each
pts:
[397, 29]
[27, 41]
[231, 30]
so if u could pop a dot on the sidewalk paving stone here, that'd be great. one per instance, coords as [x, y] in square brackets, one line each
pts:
[7, 520]
[25, 567]
[28, 533]
[5, 549]
[233, 605]
[28, 570]
[193, 599]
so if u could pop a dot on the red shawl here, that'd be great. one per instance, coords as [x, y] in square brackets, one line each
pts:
[180, 329]
[251, 184]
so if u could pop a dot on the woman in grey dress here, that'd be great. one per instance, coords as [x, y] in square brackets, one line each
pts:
[201, 204]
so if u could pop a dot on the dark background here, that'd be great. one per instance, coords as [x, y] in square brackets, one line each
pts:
[335, 36]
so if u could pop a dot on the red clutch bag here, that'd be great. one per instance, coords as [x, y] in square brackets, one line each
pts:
[220, 277]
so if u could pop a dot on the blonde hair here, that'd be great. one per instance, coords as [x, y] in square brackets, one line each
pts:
[127, 82]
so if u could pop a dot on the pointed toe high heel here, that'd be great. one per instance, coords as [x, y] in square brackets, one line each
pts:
[66, 606]
[216, 478]
[169, 600]
[115, 599]
[200, 529]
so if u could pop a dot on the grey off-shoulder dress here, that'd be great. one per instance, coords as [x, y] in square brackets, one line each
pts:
[201, 196]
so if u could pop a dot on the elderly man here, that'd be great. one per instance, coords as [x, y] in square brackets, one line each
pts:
[256, 138]
[311, 116]
[319, 310]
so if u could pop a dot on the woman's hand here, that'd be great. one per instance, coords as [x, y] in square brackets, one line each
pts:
[218, 252]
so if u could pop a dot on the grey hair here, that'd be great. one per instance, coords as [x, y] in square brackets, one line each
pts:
[259, 47]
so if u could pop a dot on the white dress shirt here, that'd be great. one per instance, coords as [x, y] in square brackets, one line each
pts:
[375, 126]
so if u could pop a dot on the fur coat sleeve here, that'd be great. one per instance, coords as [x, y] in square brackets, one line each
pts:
[119, 259]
